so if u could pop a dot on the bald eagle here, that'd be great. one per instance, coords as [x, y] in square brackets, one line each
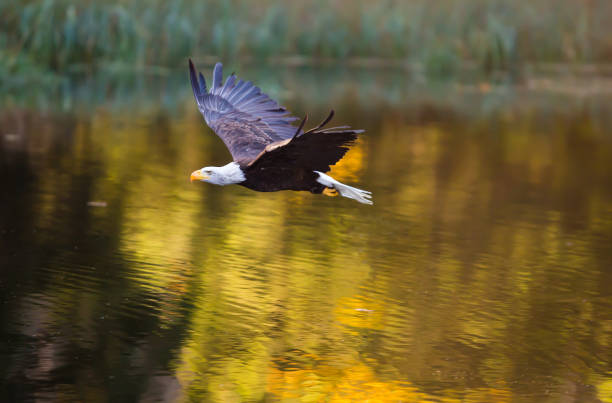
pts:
[269, 153]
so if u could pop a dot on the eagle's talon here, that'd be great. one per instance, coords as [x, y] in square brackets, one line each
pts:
[330, 192]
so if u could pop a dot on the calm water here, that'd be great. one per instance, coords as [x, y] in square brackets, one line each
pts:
[482, 273]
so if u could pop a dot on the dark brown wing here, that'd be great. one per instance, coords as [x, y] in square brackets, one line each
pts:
[314, 150]
[246, 119]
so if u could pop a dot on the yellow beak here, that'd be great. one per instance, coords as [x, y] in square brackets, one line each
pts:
[197, 176]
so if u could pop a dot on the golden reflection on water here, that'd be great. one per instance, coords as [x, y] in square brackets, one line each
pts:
[481, 273]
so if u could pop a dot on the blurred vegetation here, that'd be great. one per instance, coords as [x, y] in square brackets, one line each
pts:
[440, 36]
[469, 95]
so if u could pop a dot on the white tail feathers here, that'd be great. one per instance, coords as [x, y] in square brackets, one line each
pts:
[362, 196]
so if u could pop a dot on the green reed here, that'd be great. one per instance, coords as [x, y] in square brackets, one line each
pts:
[441, 36]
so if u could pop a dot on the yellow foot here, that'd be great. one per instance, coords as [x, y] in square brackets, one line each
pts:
[330, 192]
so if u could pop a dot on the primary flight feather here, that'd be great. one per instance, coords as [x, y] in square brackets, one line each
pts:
[269, 153]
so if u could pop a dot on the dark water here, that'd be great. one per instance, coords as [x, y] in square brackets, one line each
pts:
[482, 273]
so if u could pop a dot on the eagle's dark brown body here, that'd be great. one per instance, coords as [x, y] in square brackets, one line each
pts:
[273, 179]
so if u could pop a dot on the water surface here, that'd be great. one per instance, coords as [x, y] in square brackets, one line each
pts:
[483, 272]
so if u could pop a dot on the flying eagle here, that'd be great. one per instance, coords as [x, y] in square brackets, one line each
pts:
[269, 153]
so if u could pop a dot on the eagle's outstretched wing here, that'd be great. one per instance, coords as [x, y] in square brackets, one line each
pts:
[315, 150]
[246, 119]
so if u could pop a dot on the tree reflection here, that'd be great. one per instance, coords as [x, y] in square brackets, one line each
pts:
[481, 274]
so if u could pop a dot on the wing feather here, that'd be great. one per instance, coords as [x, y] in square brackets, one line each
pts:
[198, 88]
[227, 87]
[246, 119]
[217, 78]
[314, 150]
[237, 90]
[202, 84]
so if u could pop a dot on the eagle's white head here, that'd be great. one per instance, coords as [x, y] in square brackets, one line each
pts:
[225, 175]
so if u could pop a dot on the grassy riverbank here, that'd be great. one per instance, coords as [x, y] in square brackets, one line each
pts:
[441, 36]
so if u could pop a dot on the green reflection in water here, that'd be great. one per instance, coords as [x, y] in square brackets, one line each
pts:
[482, 273]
